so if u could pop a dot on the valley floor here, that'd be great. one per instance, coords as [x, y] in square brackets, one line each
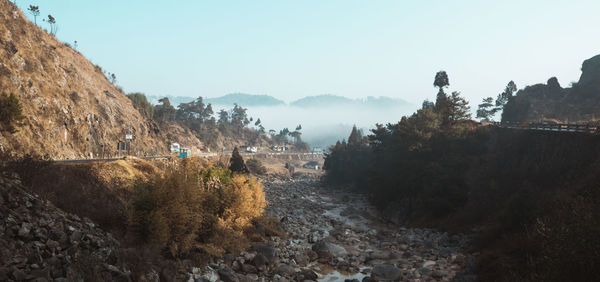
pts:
[336, 236]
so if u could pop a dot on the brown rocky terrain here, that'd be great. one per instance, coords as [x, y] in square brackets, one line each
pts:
[72, 110]
[550, 101]
[39, 241]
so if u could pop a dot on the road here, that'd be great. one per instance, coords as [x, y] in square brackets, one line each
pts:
[205, 155]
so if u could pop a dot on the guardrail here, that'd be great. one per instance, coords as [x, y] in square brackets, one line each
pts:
[561, 127]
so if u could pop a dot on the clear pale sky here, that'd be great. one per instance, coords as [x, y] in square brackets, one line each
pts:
[291, 49]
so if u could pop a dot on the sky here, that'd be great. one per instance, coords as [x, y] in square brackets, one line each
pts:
[292, 49]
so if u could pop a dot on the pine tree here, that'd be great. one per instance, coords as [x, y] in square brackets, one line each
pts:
[237, 163]
[11, 112]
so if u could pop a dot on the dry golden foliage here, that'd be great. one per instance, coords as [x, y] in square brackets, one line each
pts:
[196, 206]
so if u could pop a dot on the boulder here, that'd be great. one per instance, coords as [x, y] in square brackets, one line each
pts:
[329, 250]
[386, 272]
[268, 252]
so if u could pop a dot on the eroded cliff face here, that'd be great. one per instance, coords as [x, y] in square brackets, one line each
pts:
[580, 102]
[71, 108]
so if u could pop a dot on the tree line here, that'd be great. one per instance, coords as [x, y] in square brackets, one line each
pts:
[536, 193]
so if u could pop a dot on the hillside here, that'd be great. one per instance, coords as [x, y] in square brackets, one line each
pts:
[71, 108]
[550, 101]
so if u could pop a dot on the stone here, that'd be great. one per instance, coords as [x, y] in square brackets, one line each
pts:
[25, 229]
[268, 252]
[306, 274]
[328, 250]
[19, 275]
[227, 275]
[428, 263]
[246, 268]
[424, 271]
[312, 255]
[386, 272]
[301, 259]
[260, 260]
[284, 270]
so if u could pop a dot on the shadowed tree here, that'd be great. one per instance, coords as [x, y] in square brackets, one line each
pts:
[503, 97]
[486, 109]
[236, 163]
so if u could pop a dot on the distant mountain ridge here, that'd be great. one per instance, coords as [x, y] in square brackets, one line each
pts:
[317, 101]
[248, 100]
[326, 100]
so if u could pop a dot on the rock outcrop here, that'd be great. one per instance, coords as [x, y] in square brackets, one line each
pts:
[580, 102]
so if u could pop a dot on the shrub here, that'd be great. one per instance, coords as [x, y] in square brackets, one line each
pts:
[11, 112]
[255, 166]
[196, 206]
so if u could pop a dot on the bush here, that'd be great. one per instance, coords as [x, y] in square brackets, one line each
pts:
[11, 112]
[193, 206]
[140, 102]
[255, 166]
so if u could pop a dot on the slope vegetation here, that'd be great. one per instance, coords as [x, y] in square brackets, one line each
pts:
[72, 110]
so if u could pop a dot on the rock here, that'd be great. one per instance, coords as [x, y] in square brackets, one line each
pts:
[25, 229]
[260, 261]
[284, 270]
[75, 236]
[312, 255]
[424, 271]
[438, 274]
[301, 259]
[379, 255]
[428, 263]
[268, 252]
[228, 258]
[386, 272]
[227, 275]
[328, 250]
[19, 275]
[306, 274]
[246, 268]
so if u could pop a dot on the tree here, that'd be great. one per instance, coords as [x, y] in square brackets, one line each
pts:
[236, 163]
[427, 105]
[441, 80]
[239, 118]
[355, 137]
[257, 123]
[165, 111]
[54, 28]
[35, 11]
[140, 102]
[223, 117]
[299, 127]
[11, 112]
[458, 108]
[486, 109]
[505, 96]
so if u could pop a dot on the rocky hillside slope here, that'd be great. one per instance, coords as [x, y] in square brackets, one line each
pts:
[39, 241]
[71, 108]
[580, 102]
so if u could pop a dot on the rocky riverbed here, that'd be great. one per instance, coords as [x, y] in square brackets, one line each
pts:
[336, 236]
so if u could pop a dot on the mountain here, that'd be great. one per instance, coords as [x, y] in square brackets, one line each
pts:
[242, 99]
[246, 100]
[328, 100]
[550, 101]
[72, 110]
